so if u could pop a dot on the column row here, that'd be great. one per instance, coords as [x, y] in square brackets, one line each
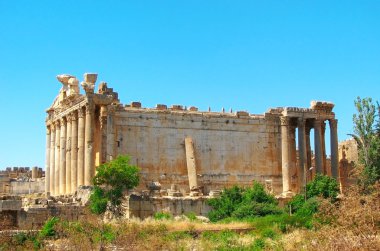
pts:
[288, 126]
[69, 152]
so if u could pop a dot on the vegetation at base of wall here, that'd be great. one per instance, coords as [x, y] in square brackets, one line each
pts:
[162, 216]
[240, 203]
[110, 181]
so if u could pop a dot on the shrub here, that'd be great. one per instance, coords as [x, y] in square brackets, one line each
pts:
[162, 216]
[324, 186]
[269, 233]
[258, 244]
[243, 203]
[191, 216]
[48, 228]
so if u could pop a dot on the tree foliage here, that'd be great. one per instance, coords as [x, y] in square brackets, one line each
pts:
[367, 136]
[110, 181]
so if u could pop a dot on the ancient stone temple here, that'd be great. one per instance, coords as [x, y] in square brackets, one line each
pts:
[182, 149]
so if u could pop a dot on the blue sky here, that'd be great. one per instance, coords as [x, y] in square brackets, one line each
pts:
[248, 55]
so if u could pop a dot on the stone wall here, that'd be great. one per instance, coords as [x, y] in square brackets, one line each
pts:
[35, 217]
[228, 150]
[26, 187]
[143, 207]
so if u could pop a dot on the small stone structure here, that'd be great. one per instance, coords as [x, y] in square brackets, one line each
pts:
[139, 206]
[22, 180]
[198, 151]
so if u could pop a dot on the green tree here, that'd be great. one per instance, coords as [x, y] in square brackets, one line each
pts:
[110, 181]
[367, 136]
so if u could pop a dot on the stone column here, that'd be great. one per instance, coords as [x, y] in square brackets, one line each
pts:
[191, 165]
[334, 147]
[68, 155]
[103, 136]
[302, 152]
[47, 161]
[81, 129]
[308, 154]
[57, 158]
[89, 160]
[74, 153]
[110, 133]
[62, 158]
[52, 159]
[286, 155]
[318, 146]
[323, 126]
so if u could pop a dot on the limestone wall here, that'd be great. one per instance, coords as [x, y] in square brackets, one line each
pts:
[26, 187]
[143, 207]
[35, 217]
[228, 149]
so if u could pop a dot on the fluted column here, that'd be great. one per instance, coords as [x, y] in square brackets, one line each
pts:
[47, 161]
[110, 133]
[103, 136]
[68, 155]
[74, 152]
[324, 166]
[286, 155]
[334, 147]
[302, 151]
[57, 158]
[89, 160]
[308, 154]
[81, 129]
[52, 159]
[318, 146]
[62, 158]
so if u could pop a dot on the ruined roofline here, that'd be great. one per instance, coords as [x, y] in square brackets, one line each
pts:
[71, 91]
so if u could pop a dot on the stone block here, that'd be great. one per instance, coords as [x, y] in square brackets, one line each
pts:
[136, 104]
[161, 107]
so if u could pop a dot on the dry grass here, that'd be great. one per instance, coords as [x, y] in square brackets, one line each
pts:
[351, 224]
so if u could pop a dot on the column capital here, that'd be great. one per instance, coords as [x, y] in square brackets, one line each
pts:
[284, 121]
[80, 112]
[90, 108]
[63, 121]
[111, 108]
[301, 122]
[317, 123]
[69, 118]
[73, 116]
[333, 123]
[57, 123]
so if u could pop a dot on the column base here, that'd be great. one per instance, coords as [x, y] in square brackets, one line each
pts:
[288, 194]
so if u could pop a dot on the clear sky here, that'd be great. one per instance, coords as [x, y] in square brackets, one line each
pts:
[248, 55]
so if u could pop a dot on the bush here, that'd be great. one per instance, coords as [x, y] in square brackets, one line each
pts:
[162, 216]
[243, 203]
[48, 228]
[255, 209]
[324, 186]
[191, 216]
